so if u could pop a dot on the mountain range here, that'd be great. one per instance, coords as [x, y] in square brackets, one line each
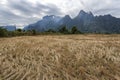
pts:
[85, 22]
[9, 27]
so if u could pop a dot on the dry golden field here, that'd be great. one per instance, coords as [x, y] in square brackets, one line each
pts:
[60, 57]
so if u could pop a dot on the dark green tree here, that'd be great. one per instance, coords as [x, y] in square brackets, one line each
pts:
[19, 30]
[3, 32]
[74, 30]
[64, 30]
[34, 32]
[51, 31]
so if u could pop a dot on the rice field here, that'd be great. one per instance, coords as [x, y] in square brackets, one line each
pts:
[60, 57]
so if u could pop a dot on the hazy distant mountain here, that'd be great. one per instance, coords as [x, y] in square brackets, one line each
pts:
[85, 22]
[9, 27]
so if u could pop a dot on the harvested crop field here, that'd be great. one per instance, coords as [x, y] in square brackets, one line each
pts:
[60, 57]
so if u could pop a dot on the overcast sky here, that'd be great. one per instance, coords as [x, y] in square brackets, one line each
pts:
[24, 12]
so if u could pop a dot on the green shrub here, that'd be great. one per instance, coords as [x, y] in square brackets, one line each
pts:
[64, 30]
[74, 30]
[3, 32]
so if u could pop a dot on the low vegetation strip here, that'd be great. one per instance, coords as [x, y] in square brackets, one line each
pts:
[63, 57]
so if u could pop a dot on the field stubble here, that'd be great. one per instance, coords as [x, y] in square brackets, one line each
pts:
[60, 57]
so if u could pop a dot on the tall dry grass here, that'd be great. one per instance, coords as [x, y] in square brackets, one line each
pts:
[63, 57]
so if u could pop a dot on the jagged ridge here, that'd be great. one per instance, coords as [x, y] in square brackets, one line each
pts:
[85, 22]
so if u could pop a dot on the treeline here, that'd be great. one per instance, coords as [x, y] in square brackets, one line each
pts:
[20, 32]
[64, 30]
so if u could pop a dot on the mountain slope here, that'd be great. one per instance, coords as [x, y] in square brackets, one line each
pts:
[85, 22]
[48, 22]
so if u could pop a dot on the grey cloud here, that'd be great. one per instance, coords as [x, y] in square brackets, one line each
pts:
[27, 11]
[101, 7]
[106, 11]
